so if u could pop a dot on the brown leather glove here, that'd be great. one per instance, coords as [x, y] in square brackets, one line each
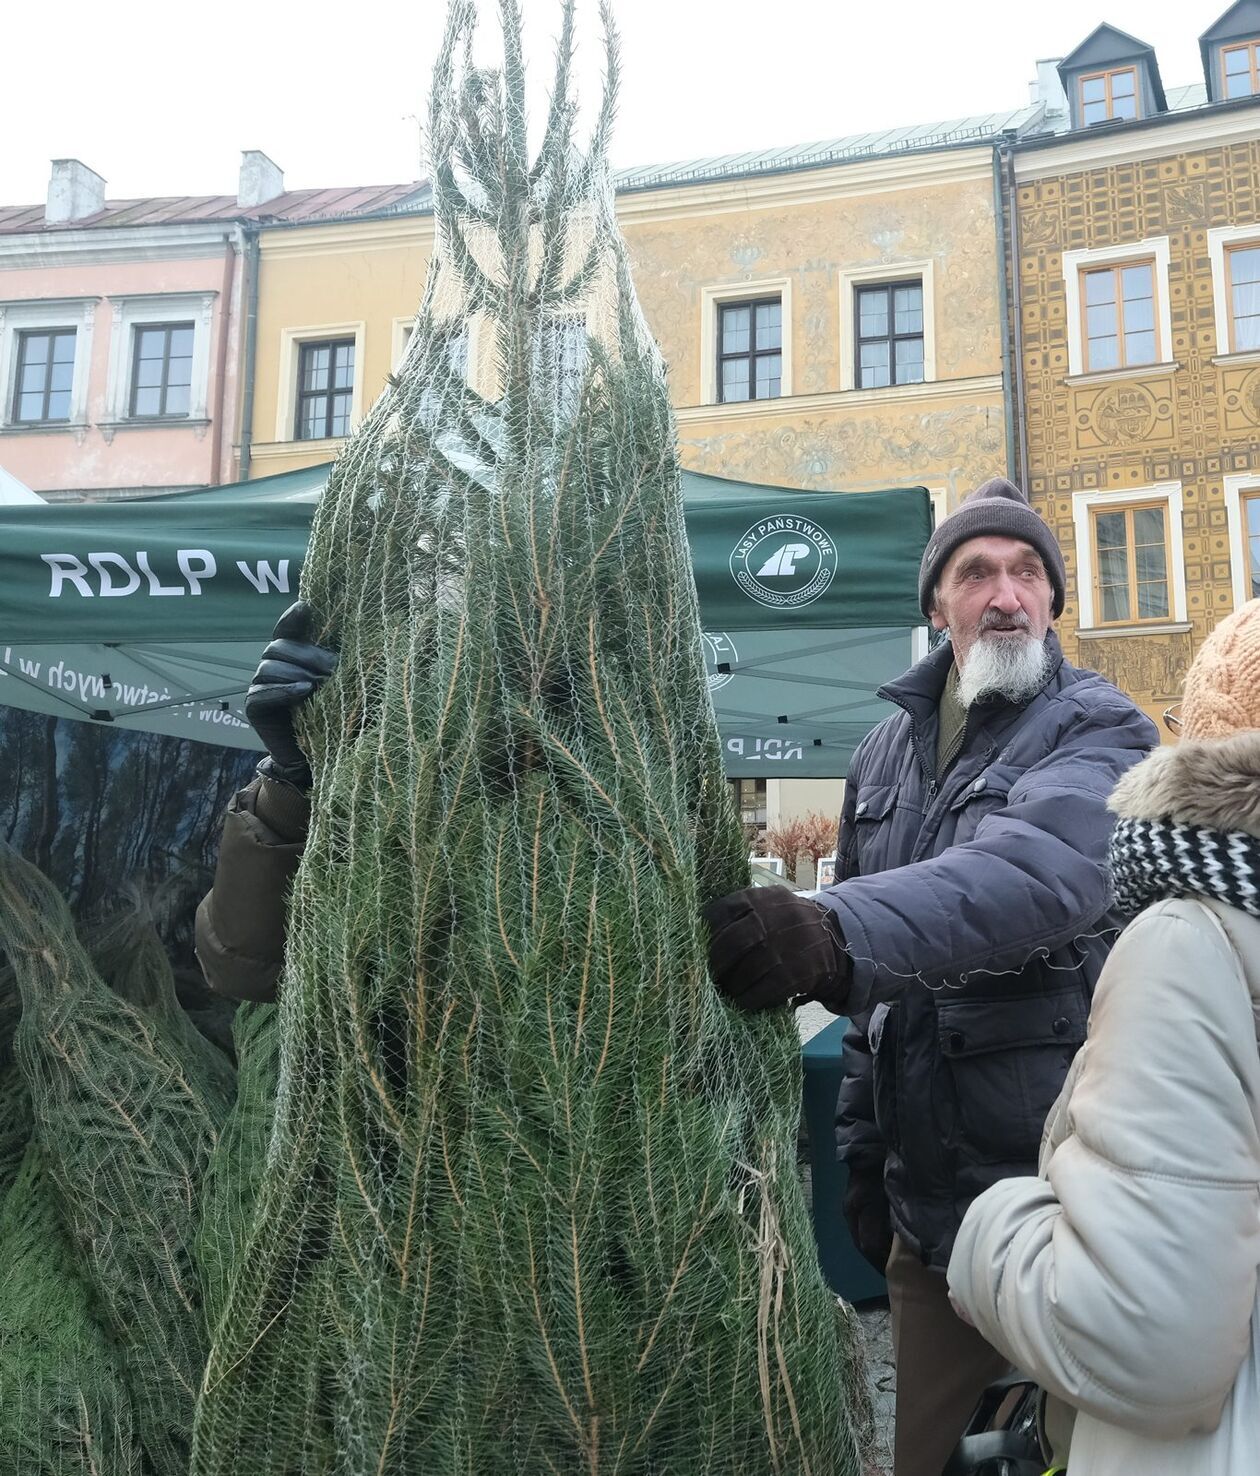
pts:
[866, 1213]
[769, 947]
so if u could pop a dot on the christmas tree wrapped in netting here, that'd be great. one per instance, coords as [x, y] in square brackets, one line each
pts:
[15, 1098]
[129, 955]
[124, 1124]
[531, 1202]
[63, 1408]
[235, 1171]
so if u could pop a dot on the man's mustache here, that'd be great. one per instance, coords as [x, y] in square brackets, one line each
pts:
[995, 620]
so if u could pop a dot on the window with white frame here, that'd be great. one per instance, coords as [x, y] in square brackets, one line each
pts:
[1242, 507]
[325, 389]
[45, 349]
[1130, 557]
[1118, 308]
[1240, 69]
[1251, 542]
[889, 344]
[1131, 560]
[750, 350]
[746, 342]
[159, 358]
[1108, 95]
[1234, 254]
[887, 325]
[161, 370]
[45, 375]
[320, 393]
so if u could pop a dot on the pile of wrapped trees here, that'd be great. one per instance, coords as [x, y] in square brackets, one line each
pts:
[506, 1187]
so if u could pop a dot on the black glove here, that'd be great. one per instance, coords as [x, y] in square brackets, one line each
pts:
[866, 1213]
[768, 947]
[292, 667]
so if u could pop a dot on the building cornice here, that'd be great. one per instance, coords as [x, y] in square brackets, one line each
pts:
[899, 395]
[668, 201]
[1150, 138]
[93, 246]
[808, 186]
[347, 237]
[50, 302]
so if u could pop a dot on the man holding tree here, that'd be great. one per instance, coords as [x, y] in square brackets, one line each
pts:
[969, 923]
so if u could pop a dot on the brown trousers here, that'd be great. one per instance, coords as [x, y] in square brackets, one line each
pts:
[942, 1365]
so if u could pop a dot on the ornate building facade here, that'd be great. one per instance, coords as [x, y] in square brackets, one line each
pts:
[1137, 328]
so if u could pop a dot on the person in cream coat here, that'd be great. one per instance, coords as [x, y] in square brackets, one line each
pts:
[1125, 1277]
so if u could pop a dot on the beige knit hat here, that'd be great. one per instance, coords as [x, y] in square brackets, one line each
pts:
[1222, 693]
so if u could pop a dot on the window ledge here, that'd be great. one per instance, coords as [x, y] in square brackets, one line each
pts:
[1250, 356]
[1137, 371]
[151, 422]
[1099, 632]
[928, 389]
[42, 427]
[306, 452]
[313, 443]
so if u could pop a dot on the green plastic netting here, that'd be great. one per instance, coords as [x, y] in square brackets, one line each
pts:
[124, 1125]
[63, 1408]
[235, 1172]
[15, 1099]
[531, 1205]
[131, 958]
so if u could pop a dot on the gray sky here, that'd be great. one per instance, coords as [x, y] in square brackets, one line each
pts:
[160, 97]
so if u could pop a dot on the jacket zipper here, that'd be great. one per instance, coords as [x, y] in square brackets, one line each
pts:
[929, 770]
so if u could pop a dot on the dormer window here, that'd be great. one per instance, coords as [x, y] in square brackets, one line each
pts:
[1240, 69]
[1108, 95]
[1113, 77]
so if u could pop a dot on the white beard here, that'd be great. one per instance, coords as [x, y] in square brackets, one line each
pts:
[1002, 666]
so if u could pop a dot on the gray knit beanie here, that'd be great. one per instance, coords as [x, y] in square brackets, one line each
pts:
[998, 509]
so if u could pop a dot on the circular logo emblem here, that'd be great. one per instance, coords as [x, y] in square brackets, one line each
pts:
[784, 563]
[1125, 414]
[1251, 395]
[719, 650]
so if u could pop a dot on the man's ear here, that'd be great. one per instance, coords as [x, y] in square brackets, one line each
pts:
[938, 620]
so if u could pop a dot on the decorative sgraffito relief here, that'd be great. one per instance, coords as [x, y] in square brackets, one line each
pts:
[1124, 414]
[1186, 202]
[1242, 399]
[1152, 667]
[961, 445]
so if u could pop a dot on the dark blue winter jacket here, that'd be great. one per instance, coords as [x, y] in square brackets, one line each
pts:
[976, 912]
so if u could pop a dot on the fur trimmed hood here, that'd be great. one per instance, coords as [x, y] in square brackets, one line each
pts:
[1214, 783]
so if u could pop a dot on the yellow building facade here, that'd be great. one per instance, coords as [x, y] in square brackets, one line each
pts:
[1137, 251]
[876, 275]
[809, 240]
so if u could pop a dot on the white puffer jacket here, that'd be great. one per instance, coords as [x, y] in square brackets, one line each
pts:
[1125, 1277]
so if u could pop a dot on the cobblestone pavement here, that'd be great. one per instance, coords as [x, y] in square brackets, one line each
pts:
[881, 1382]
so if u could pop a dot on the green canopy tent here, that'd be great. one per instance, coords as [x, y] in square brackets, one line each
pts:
[150, 614]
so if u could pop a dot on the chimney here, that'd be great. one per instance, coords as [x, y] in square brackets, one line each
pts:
[261, 180]
[74, 192]
[1048, 89]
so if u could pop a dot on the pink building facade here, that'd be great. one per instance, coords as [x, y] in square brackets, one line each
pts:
[124, 337]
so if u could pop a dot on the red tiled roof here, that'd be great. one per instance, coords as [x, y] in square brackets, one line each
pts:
[193, 209]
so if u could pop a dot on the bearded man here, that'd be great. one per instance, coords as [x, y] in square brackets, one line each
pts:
[968, 925]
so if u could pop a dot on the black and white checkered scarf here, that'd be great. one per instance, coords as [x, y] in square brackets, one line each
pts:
[1152, 859]
[1189, 825]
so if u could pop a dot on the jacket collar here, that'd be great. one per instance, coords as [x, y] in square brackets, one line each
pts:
[919, 690]
[1213, 783]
